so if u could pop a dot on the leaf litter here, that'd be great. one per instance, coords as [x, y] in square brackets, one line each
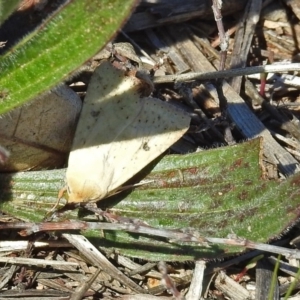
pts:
[177, 57]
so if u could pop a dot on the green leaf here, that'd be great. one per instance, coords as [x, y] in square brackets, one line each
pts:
[6, 8]
[216, 193]
[63, 42]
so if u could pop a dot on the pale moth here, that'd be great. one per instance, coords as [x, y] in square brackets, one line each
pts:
[118, 134]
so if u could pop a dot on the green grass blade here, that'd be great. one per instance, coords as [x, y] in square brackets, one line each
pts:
[292, 286]
[64, 42]
[215, 192]
[274, 279]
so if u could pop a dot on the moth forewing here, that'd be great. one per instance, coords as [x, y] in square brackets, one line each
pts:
[118, 134]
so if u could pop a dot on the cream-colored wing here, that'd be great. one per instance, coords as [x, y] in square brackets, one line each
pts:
[118, 134]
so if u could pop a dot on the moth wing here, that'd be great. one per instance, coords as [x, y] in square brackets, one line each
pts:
[157, 126]
[118, 134]
[102, 119]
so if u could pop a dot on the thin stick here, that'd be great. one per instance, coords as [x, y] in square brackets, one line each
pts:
[228, 73]
[216, 7]
[173, 235]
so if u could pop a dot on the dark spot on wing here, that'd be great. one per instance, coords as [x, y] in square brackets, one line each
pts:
[146, 146]
[95, 113]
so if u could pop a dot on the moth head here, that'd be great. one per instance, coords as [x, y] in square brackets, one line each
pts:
[84, 192]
